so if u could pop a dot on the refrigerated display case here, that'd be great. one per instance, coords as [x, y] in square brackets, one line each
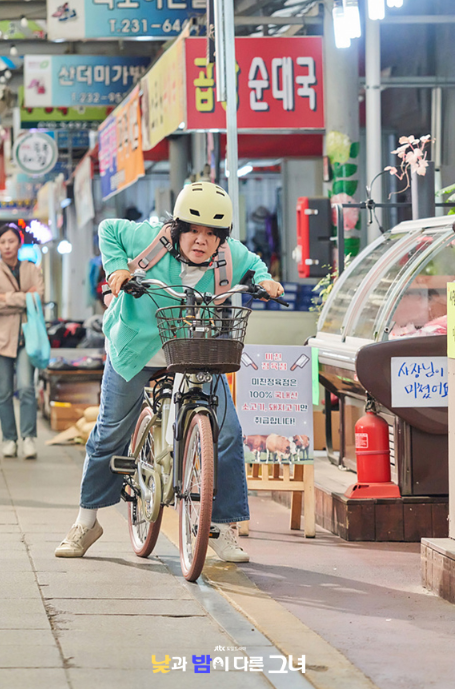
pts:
[391, 298]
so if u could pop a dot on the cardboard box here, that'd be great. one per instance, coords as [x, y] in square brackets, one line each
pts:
[319, 430]
[65, 414]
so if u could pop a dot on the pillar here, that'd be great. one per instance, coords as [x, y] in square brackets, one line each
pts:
[179, 162]
[342, 140]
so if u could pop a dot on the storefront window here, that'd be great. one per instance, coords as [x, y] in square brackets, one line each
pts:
[422, 310]
[365, 323]
[349, 284]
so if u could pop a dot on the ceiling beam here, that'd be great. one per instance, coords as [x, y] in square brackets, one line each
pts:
[276, 20]
[42, 47]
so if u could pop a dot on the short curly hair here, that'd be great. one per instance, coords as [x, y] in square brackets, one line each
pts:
[179, 227]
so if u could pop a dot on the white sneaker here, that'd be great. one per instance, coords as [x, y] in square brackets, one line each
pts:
[29, 448]
[9, 448]
[79, 540]
[226, 545]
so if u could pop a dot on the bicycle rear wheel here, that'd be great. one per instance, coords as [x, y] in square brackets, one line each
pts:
[143, 532]
[195, 509]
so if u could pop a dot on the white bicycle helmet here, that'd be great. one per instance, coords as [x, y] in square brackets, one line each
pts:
[204, 203]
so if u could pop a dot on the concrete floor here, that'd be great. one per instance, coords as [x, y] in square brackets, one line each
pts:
[357, 610]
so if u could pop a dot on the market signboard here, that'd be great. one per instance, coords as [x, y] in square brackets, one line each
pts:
[419, 381]
[163, 96]
[35, 153]
[279, 84]
[79, 117]
[274, 404]
[74, 80]
[78, 19]
[120, 147]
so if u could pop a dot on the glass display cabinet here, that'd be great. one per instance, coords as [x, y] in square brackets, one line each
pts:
[391, 301]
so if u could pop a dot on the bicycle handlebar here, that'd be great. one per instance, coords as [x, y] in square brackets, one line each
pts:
[138, 285]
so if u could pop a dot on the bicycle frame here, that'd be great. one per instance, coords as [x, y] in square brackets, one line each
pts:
[169, 459]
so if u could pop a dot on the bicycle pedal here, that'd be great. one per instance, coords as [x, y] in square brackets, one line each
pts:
[123, 465]
[214, 532]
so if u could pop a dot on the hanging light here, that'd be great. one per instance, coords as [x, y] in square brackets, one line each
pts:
[24, 22]
[64, 247]
[394, 3]
[352, 18]
[8, 74]
[13, 50]
[340, 25]
[376, 9]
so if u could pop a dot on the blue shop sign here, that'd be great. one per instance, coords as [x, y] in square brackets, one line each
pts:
[80, 80]
[79, 19]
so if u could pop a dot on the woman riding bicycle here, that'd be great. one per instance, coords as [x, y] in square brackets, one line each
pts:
[201, 224]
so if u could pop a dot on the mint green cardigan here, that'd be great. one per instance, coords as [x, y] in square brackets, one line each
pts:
[130, 324]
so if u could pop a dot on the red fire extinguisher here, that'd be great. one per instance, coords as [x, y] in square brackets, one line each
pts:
[372, 449]
[373, 458]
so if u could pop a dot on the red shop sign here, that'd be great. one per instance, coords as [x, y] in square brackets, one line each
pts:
[279, 84]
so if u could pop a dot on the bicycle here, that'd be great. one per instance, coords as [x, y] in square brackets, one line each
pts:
[201, 340]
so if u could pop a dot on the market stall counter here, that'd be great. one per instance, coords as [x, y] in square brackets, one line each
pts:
[70, 385]
[391, 302]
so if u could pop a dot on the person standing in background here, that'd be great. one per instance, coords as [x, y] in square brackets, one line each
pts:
[16, 279]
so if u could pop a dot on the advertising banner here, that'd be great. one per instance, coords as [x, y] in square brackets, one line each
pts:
[81, 117]
[83, 196]
[279, 84]
[118, 19]
[74, 80]
[419, 381]
[120, 147]
[163, 96]
[274, 404]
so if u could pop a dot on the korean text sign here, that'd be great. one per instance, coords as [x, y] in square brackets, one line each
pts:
[120, 147]
[274, 403]
[163, 96]
[279, 84]
[419, 381]
[74, 80]
[120, 18]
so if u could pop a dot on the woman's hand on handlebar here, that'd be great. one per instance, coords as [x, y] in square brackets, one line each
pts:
[273, 288]
[117, 279]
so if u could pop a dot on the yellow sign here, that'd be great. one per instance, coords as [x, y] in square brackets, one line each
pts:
[451, 320]
[163, 97]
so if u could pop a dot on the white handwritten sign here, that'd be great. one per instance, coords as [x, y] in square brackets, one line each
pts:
[419, 381]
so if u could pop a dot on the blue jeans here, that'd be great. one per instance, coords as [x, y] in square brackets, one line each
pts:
[27, 398]
[120, 407]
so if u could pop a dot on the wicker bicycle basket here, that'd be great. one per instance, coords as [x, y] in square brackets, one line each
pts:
[202, 338]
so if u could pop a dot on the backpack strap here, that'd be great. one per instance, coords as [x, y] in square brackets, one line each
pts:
[154, 252]
[223, 271]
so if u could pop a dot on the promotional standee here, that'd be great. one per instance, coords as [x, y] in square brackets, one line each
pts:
[274, 404]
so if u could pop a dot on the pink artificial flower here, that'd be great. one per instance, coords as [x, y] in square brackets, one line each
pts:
[391, 169]
[406, 139]
[400, 151]
[413, 158]
[421, 167]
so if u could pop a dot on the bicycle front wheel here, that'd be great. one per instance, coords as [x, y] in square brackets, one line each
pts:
[143, 532]
[195, 509]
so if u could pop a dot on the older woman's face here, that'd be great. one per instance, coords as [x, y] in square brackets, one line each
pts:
[9, 246]
[199, 244]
